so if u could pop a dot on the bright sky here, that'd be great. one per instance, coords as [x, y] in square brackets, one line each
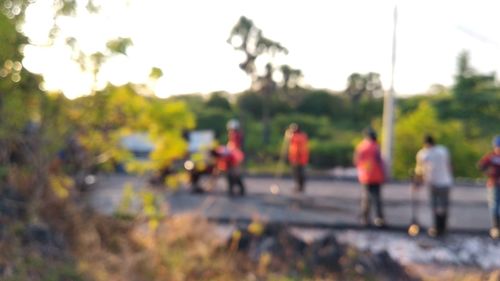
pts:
[327, 40]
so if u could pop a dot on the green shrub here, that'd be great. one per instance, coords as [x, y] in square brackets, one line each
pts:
[409, 133]
[330, 154]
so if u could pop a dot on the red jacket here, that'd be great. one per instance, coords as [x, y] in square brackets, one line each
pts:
[490, 163]
[369, 162]
[235, 139]
[298, 150]
[229, 157]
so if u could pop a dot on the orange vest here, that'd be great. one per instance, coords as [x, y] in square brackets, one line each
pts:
[369, 163]
[298, 151]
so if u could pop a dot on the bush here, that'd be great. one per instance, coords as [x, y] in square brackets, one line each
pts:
[330, 154]
[213, 119]
[409, 133]
[321, 103]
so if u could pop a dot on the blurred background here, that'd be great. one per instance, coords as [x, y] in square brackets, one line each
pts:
[102, 104]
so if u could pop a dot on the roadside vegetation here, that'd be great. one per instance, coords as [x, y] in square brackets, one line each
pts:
[48, 233]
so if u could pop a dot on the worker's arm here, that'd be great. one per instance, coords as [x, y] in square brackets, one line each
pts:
[484, 163]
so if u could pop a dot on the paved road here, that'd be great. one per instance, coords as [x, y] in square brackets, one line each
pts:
[326, 203]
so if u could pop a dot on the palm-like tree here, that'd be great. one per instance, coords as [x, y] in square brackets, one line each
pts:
[291, 77]
[248, 38]
[359, 85]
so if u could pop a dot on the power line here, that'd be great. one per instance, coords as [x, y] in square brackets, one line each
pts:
[477, 36]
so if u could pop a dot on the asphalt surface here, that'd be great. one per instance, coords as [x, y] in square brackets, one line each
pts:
[325, 204]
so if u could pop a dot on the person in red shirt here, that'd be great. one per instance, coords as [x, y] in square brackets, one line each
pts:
[298, 154]
[370, 168]
[234, 134]
[490, 165]
[229, 159]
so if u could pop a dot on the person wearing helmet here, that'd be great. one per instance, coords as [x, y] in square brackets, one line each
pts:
[298, 154]
[433, 167]
[490, 165]
[370, 168]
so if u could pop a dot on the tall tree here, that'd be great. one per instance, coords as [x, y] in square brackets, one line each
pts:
[248, 38]
[291, 77]
[363, 85]
[476, 97]
[30, 118]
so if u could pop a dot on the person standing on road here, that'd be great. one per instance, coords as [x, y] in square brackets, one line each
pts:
[433, 169]
[298, 154]
[370, 168]
[229, 159]
[490, 164]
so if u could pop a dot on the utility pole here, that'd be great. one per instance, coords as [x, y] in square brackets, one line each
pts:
[389, 105]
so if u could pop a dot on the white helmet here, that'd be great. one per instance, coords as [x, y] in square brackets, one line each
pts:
[233, 124]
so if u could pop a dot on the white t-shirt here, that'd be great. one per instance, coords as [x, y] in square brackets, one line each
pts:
[433, 163]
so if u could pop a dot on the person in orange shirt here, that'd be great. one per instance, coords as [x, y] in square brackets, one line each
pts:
[298, 154]
[370, 168]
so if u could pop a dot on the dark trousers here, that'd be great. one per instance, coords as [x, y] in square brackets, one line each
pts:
[195, 179]
[299, 177]
[440, 198]
[371, 196]
[234, 178]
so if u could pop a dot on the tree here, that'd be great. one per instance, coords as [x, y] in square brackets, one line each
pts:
[363, 85]
[267, 86]
[291, 77]
[35, 124]
[475, 97]
[320, 103]
[218, 100]
[248, 38]
[410, 131]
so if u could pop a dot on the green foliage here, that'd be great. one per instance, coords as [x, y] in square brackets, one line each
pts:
[151, 209]
[214, 119]
[475, 99]
[119, 45]
[195, 102]
[218, 100]
[253, 104]
[155, 73]
[315, 127]
[328, 154]
[363, 85]
[124, 209]
[321, 103]
[409, 133]
[248, 38]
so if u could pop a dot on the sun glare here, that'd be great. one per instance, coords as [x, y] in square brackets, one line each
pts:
[327, 44]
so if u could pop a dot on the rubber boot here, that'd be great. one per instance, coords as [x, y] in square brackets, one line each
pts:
[441, 224]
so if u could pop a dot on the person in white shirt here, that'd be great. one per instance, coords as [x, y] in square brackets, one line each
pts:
[433, 169]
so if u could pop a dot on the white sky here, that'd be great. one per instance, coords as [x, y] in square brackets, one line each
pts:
[327, 40]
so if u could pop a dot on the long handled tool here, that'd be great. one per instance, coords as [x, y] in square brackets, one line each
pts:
[275, 188]
[414, 228]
